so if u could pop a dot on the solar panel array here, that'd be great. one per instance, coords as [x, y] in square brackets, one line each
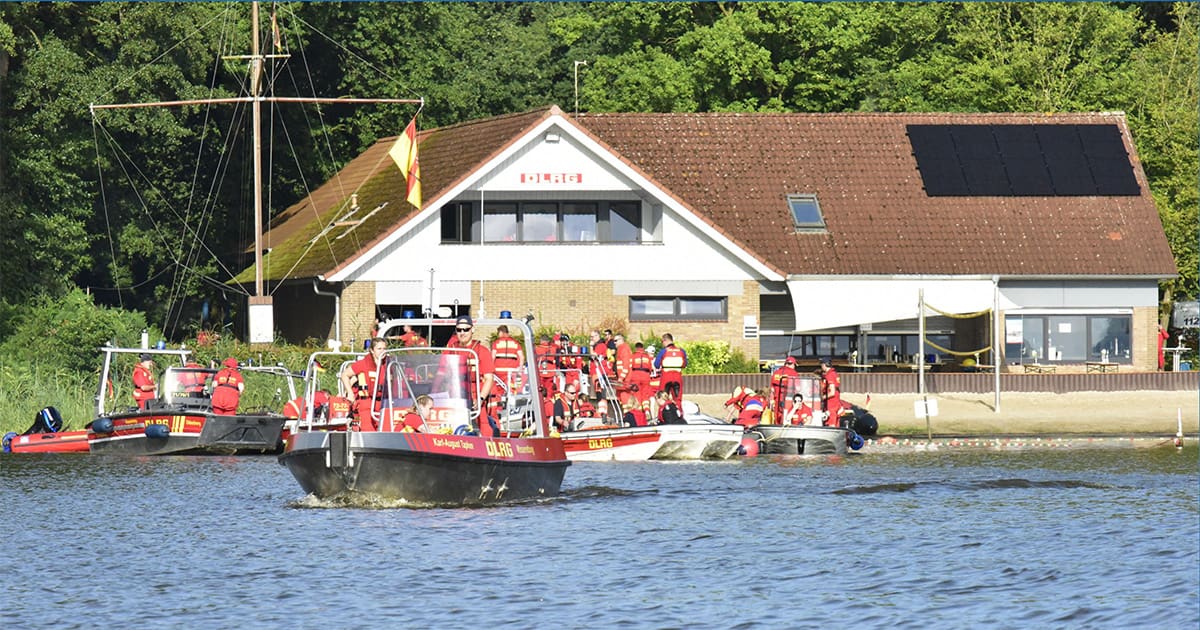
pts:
[1022, 160]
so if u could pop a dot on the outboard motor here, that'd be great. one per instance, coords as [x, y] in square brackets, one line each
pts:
[863, 423]
[48, 420]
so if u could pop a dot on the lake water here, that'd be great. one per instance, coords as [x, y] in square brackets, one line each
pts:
[1084, 538]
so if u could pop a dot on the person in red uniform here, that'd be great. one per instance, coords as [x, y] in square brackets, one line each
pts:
[414, 420]
[598, 361]
[744, 407]
[670, 362]
[666, 410]
[546, 364]
[1162, 339]
[227, 388]
[780, 380]
[508, 358]
[411, 338]
[193, 383]
[477, 369]
[360, 378]
[622, 358]
[641, 367]
[296, 408]
[145, 388]
[566, 408]
[798, 413]
[831, 393]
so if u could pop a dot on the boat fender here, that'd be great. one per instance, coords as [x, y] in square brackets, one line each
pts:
[7, 442]
[463, 429]
[855, 440]
[157, 431]
[102, 425]
[749, 447]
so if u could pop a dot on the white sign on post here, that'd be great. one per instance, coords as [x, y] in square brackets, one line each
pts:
[923, 408]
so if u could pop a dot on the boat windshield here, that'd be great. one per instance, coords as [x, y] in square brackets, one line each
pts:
[447, 375]
[187, 387]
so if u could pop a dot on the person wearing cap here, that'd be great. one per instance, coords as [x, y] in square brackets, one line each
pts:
[670, 362]
[227, 388]
[831, 392]
[360, 378]
[145, 388]
[781, 381]
[477, 371]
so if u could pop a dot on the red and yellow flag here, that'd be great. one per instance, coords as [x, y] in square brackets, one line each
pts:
[404, 154]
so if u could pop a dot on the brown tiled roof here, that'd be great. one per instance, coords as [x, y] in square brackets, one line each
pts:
[736, 170]
[446, 154]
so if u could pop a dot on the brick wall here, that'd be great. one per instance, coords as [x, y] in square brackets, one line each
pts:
[579, 306]
[358, 312]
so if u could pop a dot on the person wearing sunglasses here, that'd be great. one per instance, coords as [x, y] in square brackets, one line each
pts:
[566, 407]
[479, 369]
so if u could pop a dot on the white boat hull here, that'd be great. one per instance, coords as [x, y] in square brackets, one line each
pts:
[660, 442]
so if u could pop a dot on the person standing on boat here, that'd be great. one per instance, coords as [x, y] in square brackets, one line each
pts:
[360, 377]
[145, 388]
[478, 370]
[781, 379]
[831, 392]
[411, 338]
[622, 358]
[671, 361]
[227, 388]
[641, 365]
[598, 362]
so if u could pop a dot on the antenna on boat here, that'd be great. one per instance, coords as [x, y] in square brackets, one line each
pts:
[261, 311]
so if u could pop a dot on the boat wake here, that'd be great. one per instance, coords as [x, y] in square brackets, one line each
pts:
[978, 484]
[364, 501]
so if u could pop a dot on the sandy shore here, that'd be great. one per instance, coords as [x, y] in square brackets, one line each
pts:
[1081, 413]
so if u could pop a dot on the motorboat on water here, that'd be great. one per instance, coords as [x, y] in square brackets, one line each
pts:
[463, 455]
[180, 421]
[659, 442]
[604, 436]
[786, 432]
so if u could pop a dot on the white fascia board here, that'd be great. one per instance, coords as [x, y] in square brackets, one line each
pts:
[825, 302]
[602, 154]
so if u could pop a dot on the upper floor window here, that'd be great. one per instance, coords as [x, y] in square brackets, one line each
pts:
[806, 212]
[543, 222]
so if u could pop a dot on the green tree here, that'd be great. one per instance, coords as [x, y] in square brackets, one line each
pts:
[1164, 112]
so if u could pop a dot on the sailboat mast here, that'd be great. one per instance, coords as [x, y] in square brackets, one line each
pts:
[256, 71]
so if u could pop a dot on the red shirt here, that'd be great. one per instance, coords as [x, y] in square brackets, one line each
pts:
[142, 378]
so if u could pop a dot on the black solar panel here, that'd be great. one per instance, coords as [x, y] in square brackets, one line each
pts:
[936, 155]
[1022, 160]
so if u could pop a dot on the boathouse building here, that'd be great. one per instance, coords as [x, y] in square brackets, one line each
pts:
[842, 235]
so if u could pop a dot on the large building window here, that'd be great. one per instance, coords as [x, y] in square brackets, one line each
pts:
[544, 222]
[680, 308]
[1067, 338]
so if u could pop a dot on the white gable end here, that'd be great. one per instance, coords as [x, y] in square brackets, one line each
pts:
[554, 162]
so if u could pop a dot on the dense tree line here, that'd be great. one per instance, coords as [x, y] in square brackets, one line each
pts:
[116, 204]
